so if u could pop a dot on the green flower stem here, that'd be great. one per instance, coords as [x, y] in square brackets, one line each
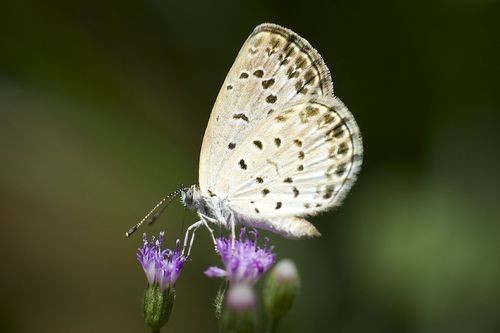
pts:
[273, 325]
[158, 306]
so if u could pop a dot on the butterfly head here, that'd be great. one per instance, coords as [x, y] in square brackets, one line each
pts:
[190, 196]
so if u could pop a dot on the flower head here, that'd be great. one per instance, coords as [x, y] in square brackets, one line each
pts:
[161, 266]
[243, 261]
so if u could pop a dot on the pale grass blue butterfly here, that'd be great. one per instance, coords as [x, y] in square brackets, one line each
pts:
[279, 145]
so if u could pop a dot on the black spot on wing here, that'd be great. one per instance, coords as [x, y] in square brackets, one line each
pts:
[343, 149]
[271, 98]
[328, 192]
[338, 130]
[258, 73]
[341, 169]
[258, 144]
[267, 83]
[242, 164]
[241, 116]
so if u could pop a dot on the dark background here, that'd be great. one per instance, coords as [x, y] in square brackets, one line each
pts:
[102, 111]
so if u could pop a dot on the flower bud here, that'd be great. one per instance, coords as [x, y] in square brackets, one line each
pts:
[280, 289]
[158, 306]
[239, 313]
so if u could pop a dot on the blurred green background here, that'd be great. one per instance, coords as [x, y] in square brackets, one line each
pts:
[102, 111]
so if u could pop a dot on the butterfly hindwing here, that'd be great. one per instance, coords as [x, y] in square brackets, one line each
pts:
[275, 67]
[300, 161]
[291, 227]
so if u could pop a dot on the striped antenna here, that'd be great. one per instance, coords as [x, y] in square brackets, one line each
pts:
[154, 213]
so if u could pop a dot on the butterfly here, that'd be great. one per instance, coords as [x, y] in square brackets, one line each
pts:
[279, 145]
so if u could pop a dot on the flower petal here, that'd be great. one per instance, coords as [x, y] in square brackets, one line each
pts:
[215, 272]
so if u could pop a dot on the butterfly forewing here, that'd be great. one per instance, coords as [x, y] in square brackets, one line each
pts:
[274, 68]
[301, 160]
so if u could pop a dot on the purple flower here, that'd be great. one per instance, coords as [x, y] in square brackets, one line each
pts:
[161, 266]
[244, 261]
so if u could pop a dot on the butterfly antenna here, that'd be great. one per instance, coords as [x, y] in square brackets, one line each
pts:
[154, 213]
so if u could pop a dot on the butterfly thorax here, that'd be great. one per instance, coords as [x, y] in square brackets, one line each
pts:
[208, 205]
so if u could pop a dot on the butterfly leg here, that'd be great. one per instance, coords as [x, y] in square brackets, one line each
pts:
[205, 219]
[192, 228]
